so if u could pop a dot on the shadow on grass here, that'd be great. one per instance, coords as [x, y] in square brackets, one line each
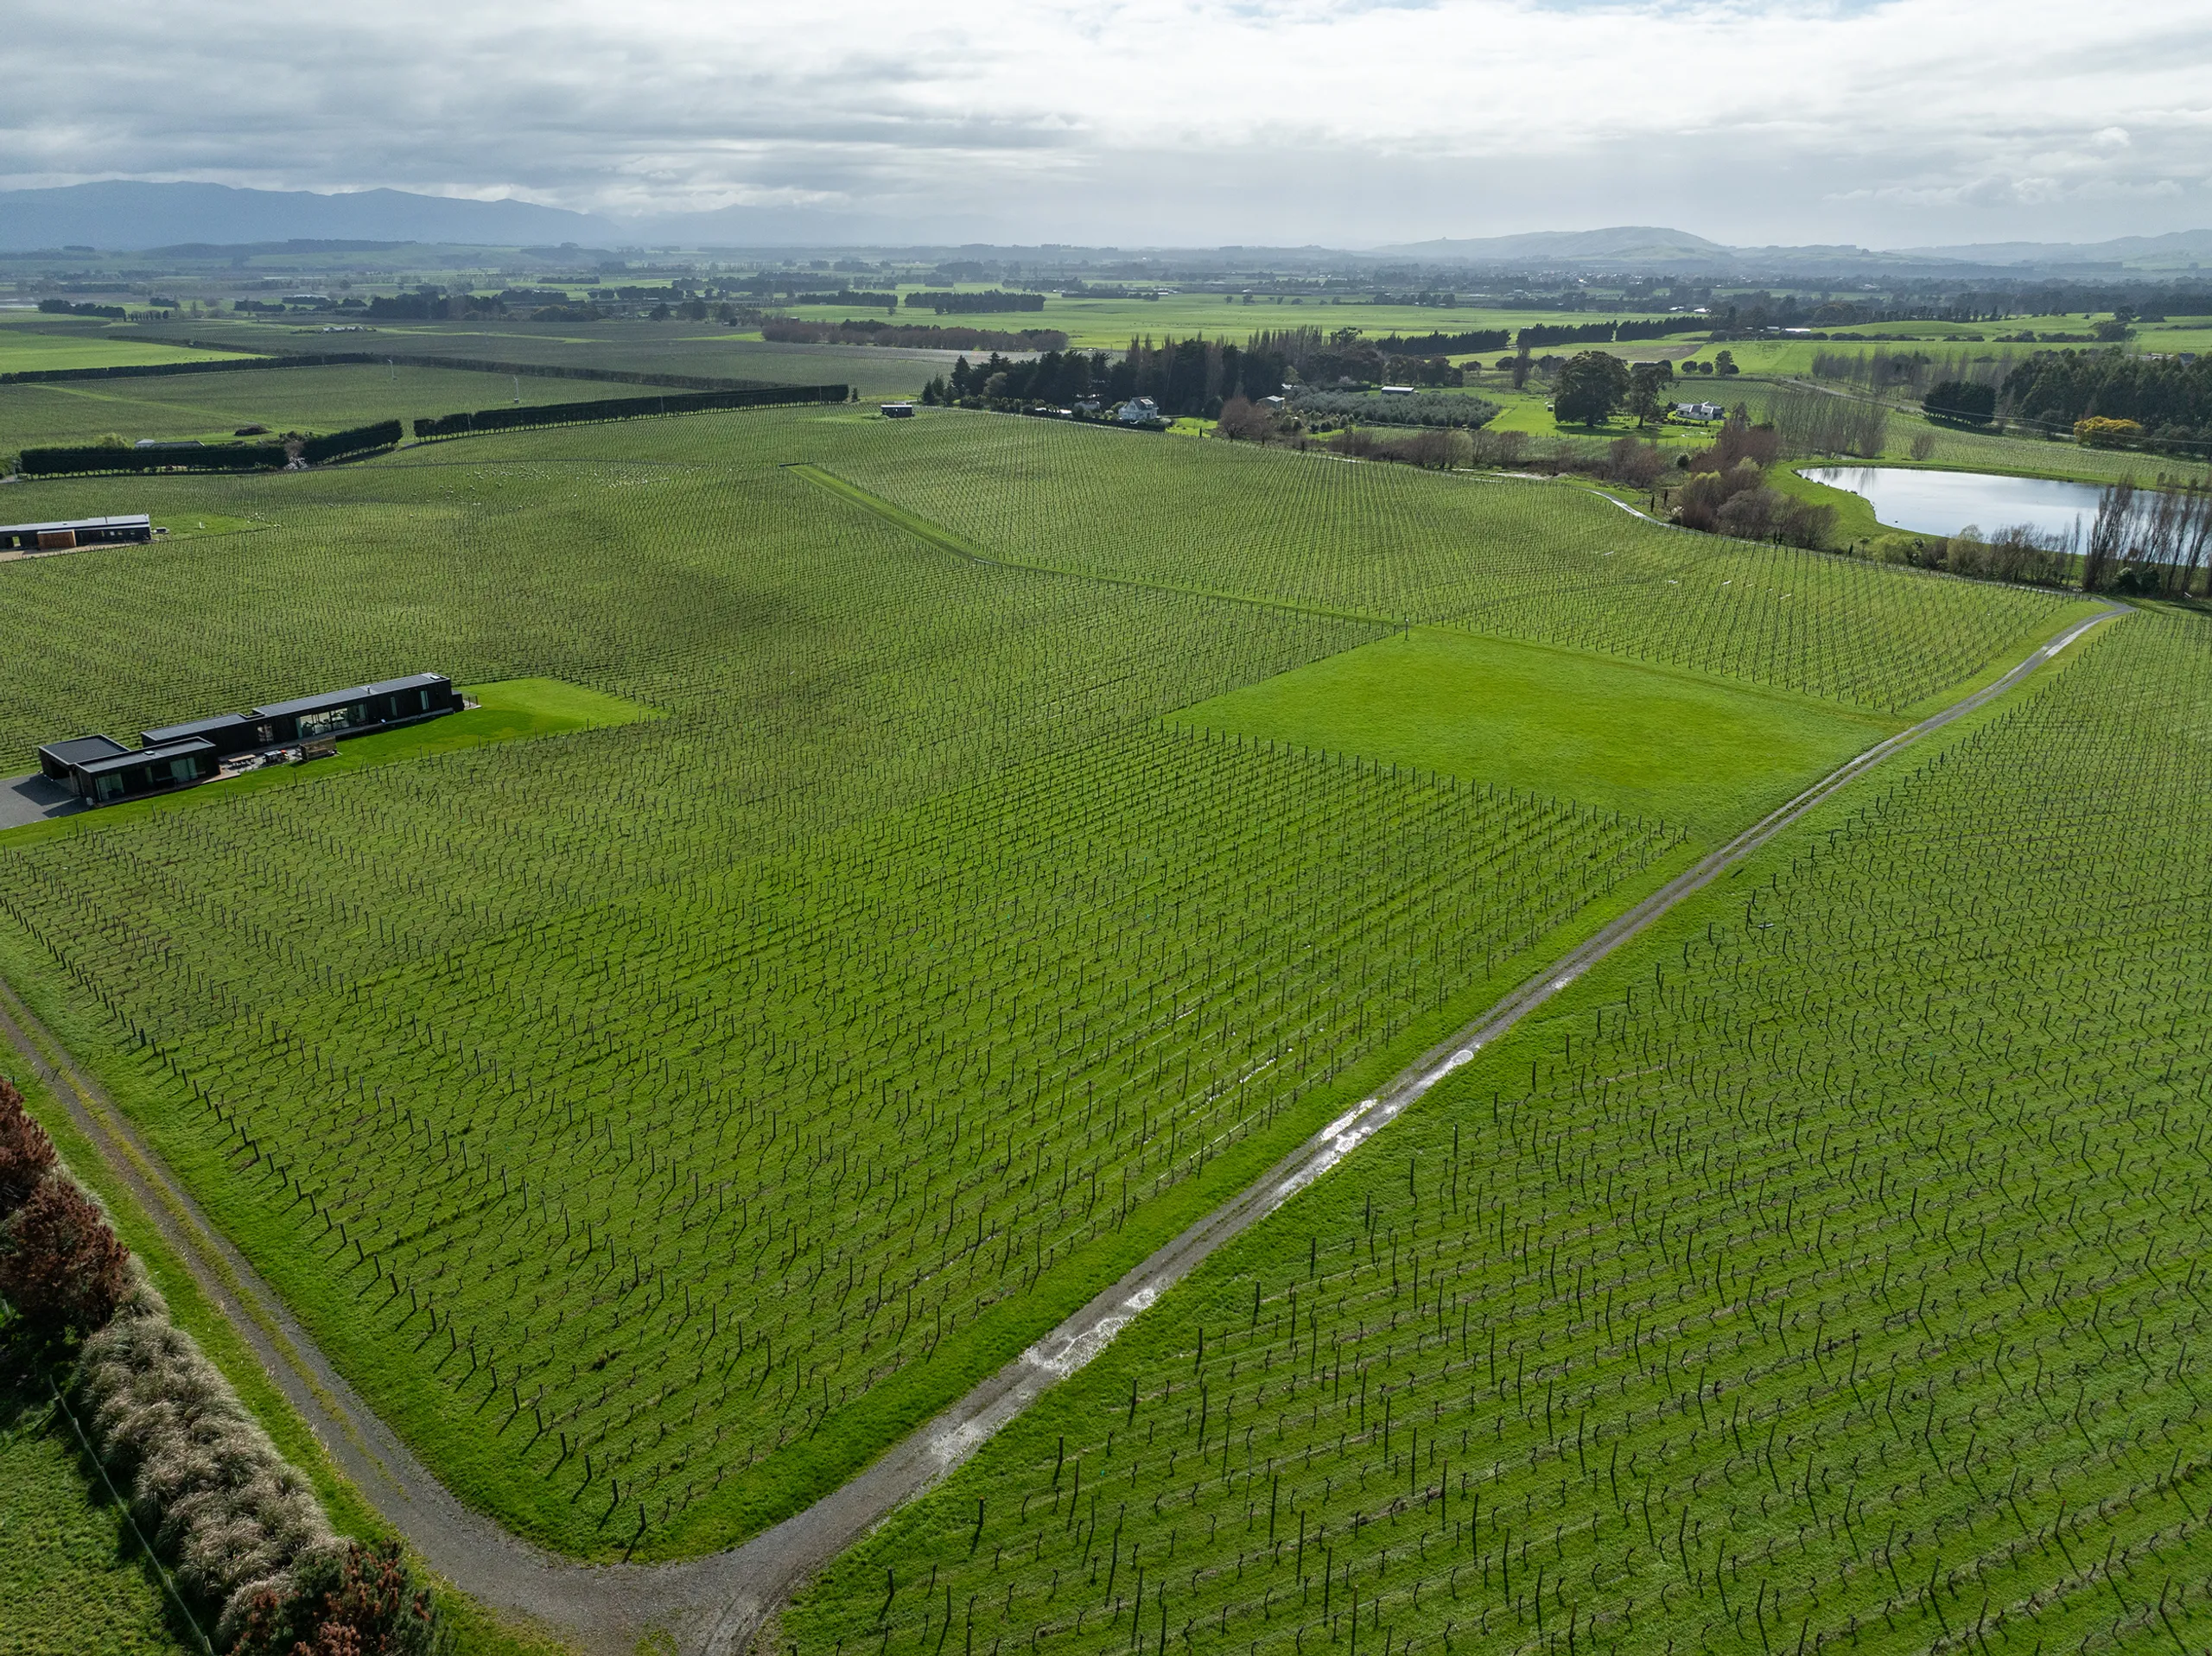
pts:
[35, 1374]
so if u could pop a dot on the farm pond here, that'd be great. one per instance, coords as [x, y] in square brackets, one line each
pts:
[1943, 503]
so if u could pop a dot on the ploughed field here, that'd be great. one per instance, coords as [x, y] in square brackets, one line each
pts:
[1828, 1272]
[655, 1121]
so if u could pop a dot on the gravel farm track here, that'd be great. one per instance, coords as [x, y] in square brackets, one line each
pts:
[713, 1606]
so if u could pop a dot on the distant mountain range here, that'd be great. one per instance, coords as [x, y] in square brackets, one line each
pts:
[2178, 250]
[124, 215]
[1647, 247]
[1625, 243]
[127, 215]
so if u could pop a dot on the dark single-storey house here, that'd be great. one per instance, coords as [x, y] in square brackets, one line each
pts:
[56, 760]
[134, 529]
[101, 769]
[347, 712]
[226, 733]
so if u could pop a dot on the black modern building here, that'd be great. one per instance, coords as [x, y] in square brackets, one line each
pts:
[101, 769]
[135, 529]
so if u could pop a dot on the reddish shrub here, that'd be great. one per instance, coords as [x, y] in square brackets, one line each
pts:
[26, 1153]
[1637, 465]
[362, 1603]
[61, 1266]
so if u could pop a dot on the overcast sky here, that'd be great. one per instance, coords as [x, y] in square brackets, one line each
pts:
[1343, 121]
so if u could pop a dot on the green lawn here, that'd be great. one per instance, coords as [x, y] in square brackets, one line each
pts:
[1530, 410]
[23, 349]
[73, 1581]
[1648, 740]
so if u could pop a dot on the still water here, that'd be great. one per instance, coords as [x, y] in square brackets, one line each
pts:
[1943, 503]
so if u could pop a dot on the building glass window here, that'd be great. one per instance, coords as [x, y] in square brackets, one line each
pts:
[313, 724]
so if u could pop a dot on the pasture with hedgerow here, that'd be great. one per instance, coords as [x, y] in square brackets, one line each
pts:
[900, 875]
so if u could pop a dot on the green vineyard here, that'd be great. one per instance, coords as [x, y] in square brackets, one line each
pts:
[1827, 1272]
[654, 1121]
[1514, 558]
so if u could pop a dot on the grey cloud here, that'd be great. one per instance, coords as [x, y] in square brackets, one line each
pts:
[1158, 120]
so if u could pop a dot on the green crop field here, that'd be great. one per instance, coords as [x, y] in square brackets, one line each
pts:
[283, 399]
[73, 1581]
[25, 345]
[1824, 1272]
[701, 349]
[1106, 324]
[654, 1118]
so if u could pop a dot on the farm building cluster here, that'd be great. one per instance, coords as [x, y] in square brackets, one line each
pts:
[101, 770]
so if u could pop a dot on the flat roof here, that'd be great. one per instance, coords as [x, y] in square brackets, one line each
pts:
[352, 693]
[168, 751]
[412, 682]
[130, 520]
[79, 749]
[194, 728]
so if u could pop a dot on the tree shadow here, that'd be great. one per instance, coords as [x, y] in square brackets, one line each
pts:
[32, 1368]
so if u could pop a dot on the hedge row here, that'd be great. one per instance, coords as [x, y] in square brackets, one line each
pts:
[157, 369]
[351, 358]
[610, 376]
[239, 1527]
[618, 408]
[356, 439]
[221, 457]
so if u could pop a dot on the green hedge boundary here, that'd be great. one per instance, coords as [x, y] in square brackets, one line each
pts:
[433, 427]
[360, 359]
[222, 457]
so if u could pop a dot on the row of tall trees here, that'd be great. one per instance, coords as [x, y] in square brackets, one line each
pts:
[2152, 541]
[2169, 398]
[1182, 377]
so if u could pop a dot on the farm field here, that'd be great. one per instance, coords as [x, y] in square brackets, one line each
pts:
[654, 1119]
[1824, 1271]
[706, 350]
[1544, 561]
[73, 1580]
[1111, 324]
[25, 346]
[210, 406]
[874, 696]
[1700, 751]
